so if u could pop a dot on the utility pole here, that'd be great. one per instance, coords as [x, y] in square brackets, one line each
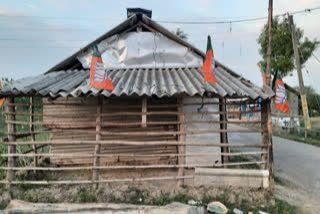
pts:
[269, 43]
[300, 77]
[267, 105]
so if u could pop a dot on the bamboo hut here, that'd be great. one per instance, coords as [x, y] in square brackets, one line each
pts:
[160, 114]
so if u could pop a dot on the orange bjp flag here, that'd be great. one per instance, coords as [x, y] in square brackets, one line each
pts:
[208, 67]
[281, 101]
[1, 100]
[264, 74]
[98, 74]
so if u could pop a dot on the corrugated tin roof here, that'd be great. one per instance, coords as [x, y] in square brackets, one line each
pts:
[158, 82]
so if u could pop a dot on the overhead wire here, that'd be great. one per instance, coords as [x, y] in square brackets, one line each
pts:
[307, 10]
[166, 21]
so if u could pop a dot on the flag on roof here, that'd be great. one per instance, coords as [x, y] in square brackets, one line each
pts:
[1, 100]
[264, 74]
[98, 74]
[281, 102]
[209, 67]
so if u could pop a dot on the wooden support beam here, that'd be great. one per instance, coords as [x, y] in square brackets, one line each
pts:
[96, 162]
[33, 137]
[158, 166]
[144, 110]
[140, 143]
[77, 182]
[181, 139]
[264, 132]
[223, 126]
[11, 138]
[270, 143]
[266, 127]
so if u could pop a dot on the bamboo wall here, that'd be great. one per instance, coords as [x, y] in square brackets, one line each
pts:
[84, 126]
[123, 134]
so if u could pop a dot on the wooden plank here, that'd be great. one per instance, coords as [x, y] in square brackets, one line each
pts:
[223, 126]
[182, 138]
[33, 137]
[96, 162]
[144, 110]
[100, 181]
[11, 138]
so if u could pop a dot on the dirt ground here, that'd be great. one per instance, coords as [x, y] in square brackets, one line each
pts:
[139, 193]
[297, 196]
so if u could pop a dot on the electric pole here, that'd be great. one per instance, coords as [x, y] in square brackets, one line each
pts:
[269, 43]
[300, 77]
[267, 105]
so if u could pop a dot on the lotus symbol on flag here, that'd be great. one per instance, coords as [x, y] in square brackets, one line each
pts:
[281, 96]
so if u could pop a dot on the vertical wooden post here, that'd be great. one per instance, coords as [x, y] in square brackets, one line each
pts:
[182, 138]
[269, 42]
[11, 138]
[33, 139]
[144, 109]
[300, 77]
[223, 126]
[266, 127]
[96, 162]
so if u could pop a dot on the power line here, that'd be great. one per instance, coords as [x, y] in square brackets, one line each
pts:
[9, 47]
[42, 40]
[238, 20]
[316, 57]
[164, 21]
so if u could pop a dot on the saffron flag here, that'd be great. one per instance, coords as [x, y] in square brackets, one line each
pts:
[281, 102]
[98, 75]
[1, 100]
[264, 74]
[208, 67]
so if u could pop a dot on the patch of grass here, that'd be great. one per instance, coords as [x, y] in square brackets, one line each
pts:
[241, 158]
[38, 198]
[137, 196]
[283, 207]
[312, 139]
[279, 180]
[85, 195]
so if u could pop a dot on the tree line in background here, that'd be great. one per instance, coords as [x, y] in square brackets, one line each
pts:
[282, 54]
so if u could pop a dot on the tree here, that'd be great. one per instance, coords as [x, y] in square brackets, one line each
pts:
[180, 33]
[282, 55]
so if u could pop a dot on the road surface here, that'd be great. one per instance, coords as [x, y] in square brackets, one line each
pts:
[297, 162]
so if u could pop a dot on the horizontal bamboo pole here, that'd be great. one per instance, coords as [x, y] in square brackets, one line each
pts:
[134, 106]
[86, 115]
[83, 155]
[129, 166]
[99, 181]
[103, 124]
[219, 103]
[141, 133]
[160, 133]
[283, 115]
[137, 143]
[241, 163]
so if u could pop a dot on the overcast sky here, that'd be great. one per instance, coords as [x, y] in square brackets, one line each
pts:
[57, 29]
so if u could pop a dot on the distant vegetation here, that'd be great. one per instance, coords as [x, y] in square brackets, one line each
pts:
[282, 50]
[180, 33]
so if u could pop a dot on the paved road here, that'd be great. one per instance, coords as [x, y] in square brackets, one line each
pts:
[294, 161]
